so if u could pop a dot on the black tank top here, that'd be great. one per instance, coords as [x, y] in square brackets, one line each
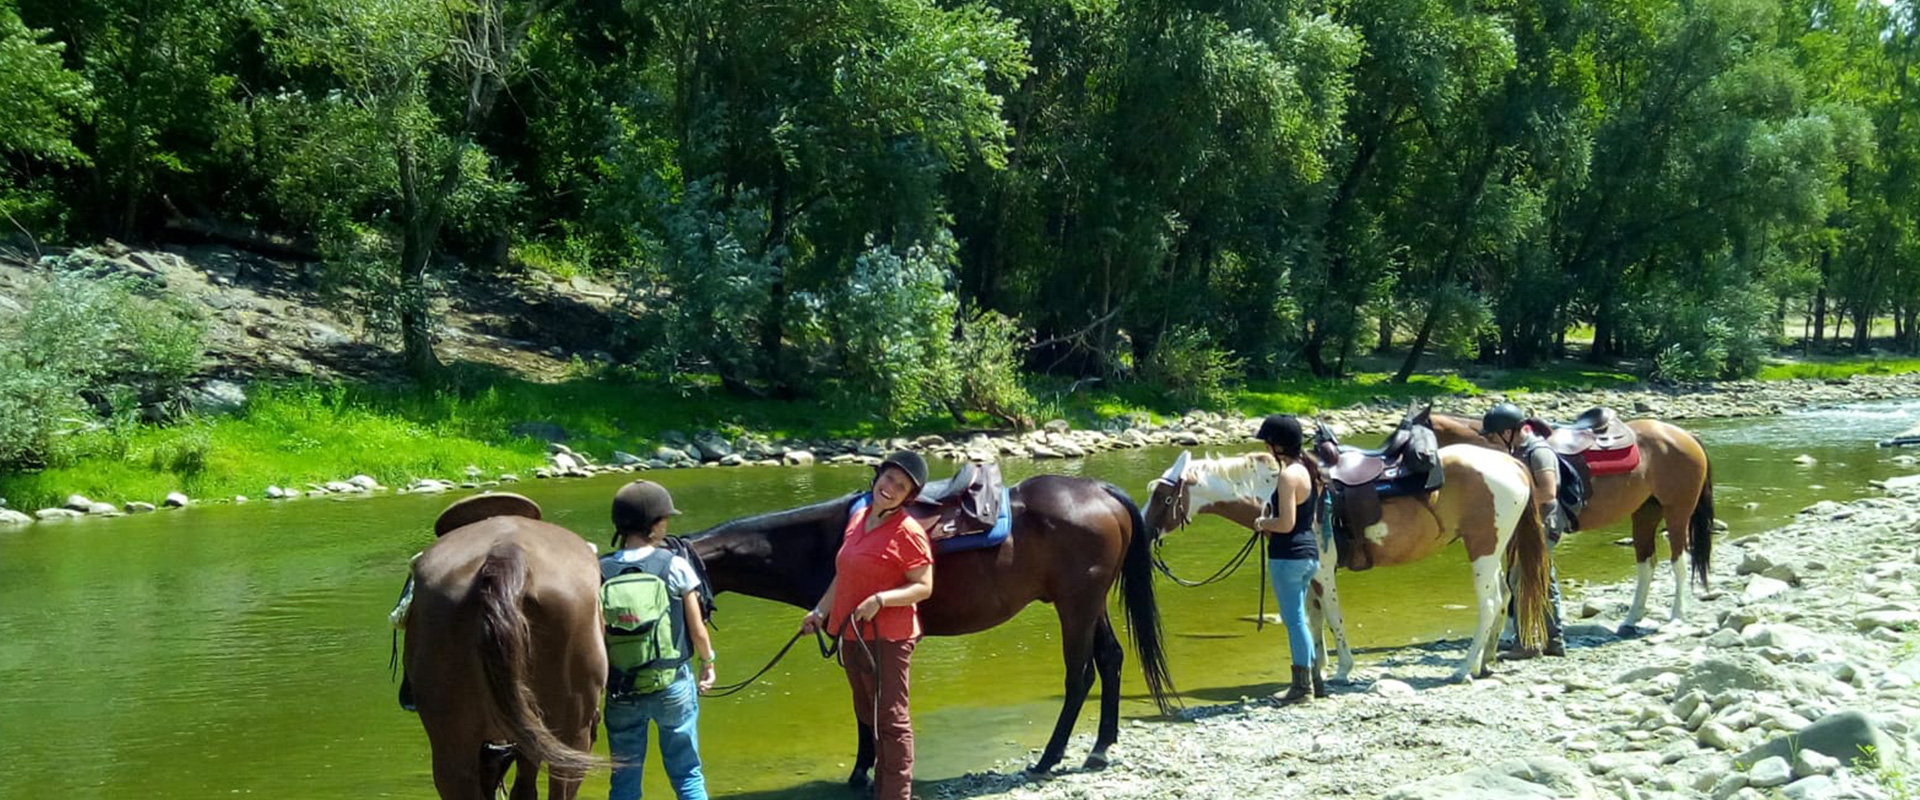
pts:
[1297, 544]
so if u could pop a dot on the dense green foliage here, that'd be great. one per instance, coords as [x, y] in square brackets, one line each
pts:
[93, 354]
[815, 198]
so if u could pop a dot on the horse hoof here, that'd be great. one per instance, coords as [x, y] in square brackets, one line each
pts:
[857, 781]
[1096, 761]
[1627, 631]
[1041, 768]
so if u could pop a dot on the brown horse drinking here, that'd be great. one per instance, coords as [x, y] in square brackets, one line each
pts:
[1484, 504]
[1071, 539]
[504, 650]
[1673, 482]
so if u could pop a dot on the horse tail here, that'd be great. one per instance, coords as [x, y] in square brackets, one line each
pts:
[1700, 527]
[1143, 612]
[504, 655]
[1529, 559]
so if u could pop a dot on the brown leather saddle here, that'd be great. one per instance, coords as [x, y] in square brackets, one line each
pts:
[1598, 428]
[1360, 480]
[967, 503]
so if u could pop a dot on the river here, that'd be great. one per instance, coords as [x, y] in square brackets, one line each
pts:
[235, 650]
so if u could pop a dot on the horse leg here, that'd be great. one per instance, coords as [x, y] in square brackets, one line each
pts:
[1646, 521]
[1328, 596]
[456, 774]
[1077, 621]
[1108, 656]
[526, 780]
[1486, 592]
[1677, 535]
[862, 758]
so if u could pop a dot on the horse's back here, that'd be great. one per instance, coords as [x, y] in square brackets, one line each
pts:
[557, 560]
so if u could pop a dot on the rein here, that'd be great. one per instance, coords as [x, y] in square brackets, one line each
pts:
[1233, 564]
[736, 687]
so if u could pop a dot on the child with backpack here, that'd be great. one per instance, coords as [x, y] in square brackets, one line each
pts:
[650, 600]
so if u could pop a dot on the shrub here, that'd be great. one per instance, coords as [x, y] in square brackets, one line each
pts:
[1190, 368]
[895, 317]
[988, 359]
[88, 340]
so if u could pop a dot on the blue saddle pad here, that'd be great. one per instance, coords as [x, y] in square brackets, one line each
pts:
[1401, 486]
[1002, 525]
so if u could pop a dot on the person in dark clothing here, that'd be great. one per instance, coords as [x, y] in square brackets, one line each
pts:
[1293, 556]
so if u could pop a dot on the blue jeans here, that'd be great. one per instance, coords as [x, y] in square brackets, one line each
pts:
[676, 709]
[1291, 578]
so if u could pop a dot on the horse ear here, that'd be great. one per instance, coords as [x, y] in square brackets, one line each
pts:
[1179, 468]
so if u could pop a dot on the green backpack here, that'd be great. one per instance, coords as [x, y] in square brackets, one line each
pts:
[642, 656]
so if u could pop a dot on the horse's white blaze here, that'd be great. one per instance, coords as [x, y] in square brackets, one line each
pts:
[1682, 592]
[1639, 607]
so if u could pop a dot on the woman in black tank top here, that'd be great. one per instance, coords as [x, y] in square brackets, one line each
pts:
[1293, 554]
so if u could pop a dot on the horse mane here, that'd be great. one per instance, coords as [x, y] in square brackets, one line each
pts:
[814, 515]
[1241, 473]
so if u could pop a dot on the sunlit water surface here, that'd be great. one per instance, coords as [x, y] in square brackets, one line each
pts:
[234, 650]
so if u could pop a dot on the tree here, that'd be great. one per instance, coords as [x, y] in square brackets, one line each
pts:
[39, 97]
[413, 83]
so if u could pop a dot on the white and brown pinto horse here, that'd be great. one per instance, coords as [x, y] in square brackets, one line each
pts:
[1672, 483]
[1484, 503]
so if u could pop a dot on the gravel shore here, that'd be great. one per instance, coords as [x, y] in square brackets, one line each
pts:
[1795, 676]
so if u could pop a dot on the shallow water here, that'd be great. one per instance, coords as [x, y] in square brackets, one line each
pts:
[237, 650]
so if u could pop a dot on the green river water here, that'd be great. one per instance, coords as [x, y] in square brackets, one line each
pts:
[242, 650]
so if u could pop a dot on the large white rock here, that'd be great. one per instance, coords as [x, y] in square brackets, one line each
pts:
[175, 500]
[1512, 779]
[1770, 771]
[10, 517]
[1761, 587]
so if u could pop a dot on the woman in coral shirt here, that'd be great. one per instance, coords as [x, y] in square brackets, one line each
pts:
[884, 568]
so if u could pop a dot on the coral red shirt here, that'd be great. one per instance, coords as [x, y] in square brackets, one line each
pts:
[872, 561]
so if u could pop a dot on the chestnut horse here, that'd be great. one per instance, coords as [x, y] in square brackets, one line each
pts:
[504, 650]
[1484, 504]
[1674, 482]
[1071, 539]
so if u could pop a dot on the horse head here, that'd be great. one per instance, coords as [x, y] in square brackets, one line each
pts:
[1167, 497]
[1234, 487]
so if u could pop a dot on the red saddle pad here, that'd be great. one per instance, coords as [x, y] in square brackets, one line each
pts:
[1613, 462]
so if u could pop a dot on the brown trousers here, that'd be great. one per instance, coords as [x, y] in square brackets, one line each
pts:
[893, 731]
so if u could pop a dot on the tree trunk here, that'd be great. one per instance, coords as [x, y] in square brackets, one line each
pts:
[1386, 331]
[1419, 342]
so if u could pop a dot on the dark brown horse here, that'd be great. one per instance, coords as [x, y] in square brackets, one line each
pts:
[1072, 538]
[504, 650]
[1673, 482]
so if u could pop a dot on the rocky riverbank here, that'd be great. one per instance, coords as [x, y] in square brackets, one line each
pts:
[1059, 440]
[1797, 675]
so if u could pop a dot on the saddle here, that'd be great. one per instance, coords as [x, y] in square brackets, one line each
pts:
[970, 502]
[1606, 443]
[1360, 480]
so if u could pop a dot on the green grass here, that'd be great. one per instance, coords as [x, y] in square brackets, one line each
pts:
[294, 434]
[1839, 368]
[300, 433]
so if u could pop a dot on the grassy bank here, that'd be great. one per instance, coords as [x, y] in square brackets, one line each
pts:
[299, 433]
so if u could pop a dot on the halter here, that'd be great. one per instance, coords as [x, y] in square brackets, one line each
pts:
[1236, 472]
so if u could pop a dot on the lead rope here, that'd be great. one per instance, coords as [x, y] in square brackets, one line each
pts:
[1260, 622]
[1233, 564]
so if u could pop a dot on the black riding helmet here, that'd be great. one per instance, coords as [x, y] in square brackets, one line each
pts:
[1282, 431]
[1501, 418]
[908, 462]
[637, 506]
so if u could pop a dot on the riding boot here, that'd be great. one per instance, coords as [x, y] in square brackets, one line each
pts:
[1556, 646]
[1319, 685]
[1301, 688]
